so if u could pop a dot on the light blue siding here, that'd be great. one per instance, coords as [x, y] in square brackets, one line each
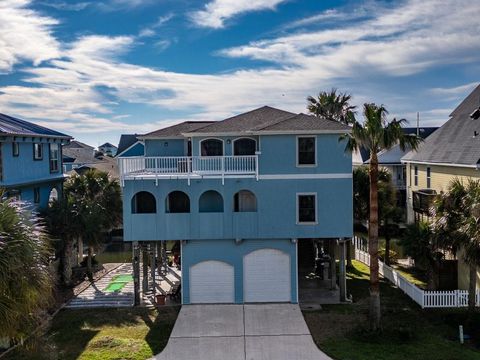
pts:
[275, 216]
[166, 147]
[136, 150]
[232, 253]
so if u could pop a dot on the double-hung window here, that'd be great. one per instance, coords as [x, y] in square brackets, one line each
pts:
[429, 178]
[307, 208]
[306, 154]
[37, 151]
[415, 178]
[54, 155]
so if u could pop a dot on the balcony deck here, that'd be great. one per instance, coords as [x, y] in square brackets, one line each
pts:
[187, 167]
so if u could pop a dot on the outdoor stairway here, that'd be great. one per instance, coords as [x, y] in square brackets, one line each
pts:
[113, 290]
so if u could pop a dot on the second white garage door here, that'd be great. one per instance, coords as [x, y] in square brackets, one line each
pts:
[266, 276]
[212, 282]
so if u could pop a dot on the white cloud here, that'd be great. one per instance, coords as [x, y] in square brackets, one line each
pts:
[61, 5]
[81, 90]
[455, 91]
[216, 12]
[25, 35]
[150, 31]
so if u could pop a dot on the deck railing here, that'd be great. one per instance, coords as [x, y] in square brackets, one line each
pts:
[189, 165]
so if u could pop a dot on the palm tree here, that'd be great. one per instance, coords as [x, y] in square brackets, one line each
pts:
[377, 134]
[98, 207]
[332, 106]
[457, 222]
[26, 282]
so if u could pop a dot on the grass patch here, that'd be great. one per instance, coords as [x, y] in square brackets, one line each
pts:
[408, 332]
[102, 334]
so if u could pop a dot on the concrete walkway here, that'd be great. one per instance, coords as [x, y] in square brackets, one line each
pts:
[241, 332]
[96, 294]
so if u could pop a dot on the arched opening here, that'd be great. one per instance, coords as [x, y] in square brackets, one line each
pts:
[144, 202]
[177, 202]
[210, 201]
[244, 201]
[211, 147]
[53, 195]
[244, 146]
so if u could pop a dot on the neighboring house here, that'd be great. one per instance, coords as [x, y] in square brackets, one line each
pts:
[391, 161]
[241, 195]
[453, 151]
[108, 149]
[79, 157]
[129, 145]
[30, 161]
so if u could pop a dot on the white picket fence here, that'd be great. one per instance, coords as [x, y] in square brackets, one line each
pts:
[424, 298]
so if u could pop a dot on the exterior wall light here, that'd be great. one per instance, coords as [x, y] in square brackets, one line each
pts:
[238, 241]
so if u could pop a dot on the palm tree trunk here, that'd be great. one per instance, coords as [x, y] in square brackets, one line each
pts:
[89, 263]
[373, 246]
[472, 287]
[67, 262]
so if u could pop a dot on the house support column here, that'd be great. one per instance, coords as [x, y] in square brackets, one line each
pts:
[145, 269]
[333, 266]
[136, 273]
[153, 267]
[343, 277]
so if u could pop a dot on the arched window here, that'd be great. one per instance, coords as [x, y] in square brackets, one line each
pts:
[211, 147]
[177, 202]
[144, 202]
[244, 146]
[210, 201]
[244, 201]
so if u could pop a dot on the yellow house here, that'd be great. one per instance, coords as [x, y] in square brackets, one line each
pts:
[453, 151]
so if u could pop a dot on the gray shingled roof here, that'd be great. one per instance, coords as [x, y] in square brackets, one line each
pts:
[454, 142]
[126, 140]
[302, 122]
[250, 121]
[13, 126]
[177, 130]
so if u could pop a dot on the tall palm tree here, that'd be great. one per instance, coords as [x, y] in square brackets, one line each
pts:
[26, 282]
[333, 106]
[457, 223]
[376, 134]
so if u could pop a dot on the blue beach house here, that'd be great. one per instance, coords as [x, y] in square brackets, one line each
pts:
[245, 197]
[30, 161]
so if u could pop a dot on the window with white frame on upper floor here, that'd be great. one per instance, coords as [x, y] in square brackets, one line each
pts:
[415, 177]
[15, 149]
[307, 208]
[429, 178]
[244, 146]
[306, 151]
[54, 155]
[37, 151]
[211, 147]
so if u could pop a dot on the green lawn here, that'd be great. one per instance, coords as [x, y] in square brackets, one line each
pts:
[409, 333]
[103, 334]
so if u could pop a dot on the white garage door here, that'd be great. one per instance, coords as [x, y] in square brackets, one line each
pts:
[211, 282]
[266, 276]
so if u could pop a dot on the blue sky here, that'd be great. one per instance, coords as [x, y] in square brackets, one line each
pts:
[96, 69]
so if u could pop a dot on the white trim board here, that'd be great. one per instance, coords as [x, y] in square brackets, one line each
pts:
[304, 176]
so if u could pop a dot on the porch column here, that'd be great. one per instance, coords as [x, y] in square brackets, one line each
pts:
[153, 267]
[136, 273]
[145, 269]
[342, 279]
[333, 266]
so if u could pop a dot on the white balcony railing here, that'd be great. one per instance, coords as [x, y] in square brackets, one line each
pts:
[187, 166]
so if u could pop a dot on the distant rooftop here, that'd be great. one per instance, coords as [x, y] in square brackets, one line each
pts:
[107, 144]
[14, 126]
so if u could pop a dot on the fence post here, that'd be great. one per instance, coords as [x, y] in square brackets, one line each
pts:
[456, 298]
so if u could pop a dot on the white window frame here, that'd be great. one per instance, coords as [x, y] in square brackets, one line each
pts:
[415, 175]
[52, 159]
[210, 138]
[244, 137]
[297, 208]
[429, 177]
[297, 152]
[35, 158]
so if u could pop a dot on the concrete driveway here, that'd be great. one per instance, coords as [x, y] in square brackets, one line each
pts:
[241, 332]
